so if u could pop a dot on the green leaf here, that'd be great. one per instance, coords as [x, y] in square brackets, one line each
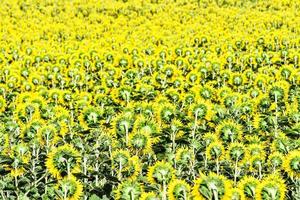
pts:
[94, 197]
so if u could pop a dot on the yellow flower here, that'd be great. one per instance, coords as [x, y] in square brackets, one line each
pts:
[211, 186]
[248, 185]
[63, 161]
[229, 131]
[178, 189]
[161, 172]
[291, 164]
[272, 187]
[215, 151]
[69, 189]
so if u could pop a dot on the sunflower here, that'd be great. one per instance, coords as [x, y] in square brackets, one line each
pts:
[129, 190]
[237, 194]
[271, 188]
[184, 156]
[143, 124]
[178, 189]
[90, 117]
[201, 110]
[291, 164]
[69, 189]
[237, 152]
[47, 135]
[123, 124]
[279, 91]
[248, 185]
[208, 138]
[257, 149]
[63, 161]
[161, 172]
[211, 187]
[229, 131]
[275, 161]
[142, 141]
[133, 170]
[215, 150]
[166, 112]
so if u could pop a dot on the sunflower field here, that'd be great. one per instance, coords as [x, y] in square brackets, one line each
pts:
[150, 99]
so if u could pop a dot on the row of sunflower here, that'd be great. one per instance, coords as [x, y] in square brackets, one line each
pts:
[149, 99]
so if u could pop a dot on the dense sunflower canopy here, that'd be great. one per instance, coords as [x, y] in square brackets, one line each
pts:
[150, 99]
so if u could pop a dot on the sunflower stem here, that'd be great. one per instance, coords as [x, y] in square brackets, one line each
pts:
[164, 193]
[259, 171]
[215, 194]
[65, 192]
[131, 195]
[276, 117]
[126, 134]
[218, 166]
[235, 171]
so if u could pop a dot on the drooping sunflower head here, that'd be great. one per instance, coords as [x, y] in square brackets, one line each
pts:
[279, 91]
[248, 185]
[237, 194]
[257, 150]
[201, 110]
[63, 161]
[90, 117]
[123, 123]
[120, 159]
[166, 113]
[236, 152]
[69, 189]
[161, 172]
[256, 163]
[215, 150]
[212, 186]
[142, 141]
[207, 92]
[47, 135]
[238, 79]
[133, 170]
[146, 125]
[275, 160]
[29, 131]
[178, 189]
[291, 164]
[271, 188]
[229, 131]
[281, 143]
[184, 156]
[129, 190]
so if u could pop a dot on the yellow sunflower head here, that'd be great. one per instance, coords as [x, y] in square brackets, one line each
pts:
[178, 189]
[248, 185]
[237, 152]
[129, 190]
[63, 161]
[291, 164]
[161, 172]
[272, 187]
[69, 189]
[237, 194]
[212, 186]
[229, 131]
[215, 150]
